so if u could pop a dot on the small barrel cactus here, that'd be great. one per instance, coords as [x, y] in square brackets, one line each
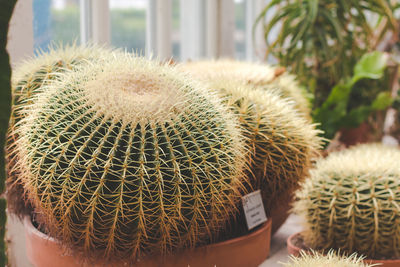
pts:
[352, 201]
[282, 143]
[130, 157]
[331, 259]
[258, 75]
[28, 80]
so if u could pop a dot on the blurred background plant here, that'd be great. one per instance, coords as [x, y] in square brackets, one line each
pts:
[321, 42]
[338, 111]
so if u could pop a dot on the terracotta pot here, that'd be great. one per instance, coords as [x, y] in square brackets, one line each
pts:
[291, 247]
[294, 250]
[249, 250]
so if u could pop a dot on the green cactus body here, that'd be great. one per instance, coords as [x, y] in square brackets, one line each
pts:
[331, 259]
[281, 142]
[257, 75]
[352, 201]
[28, 80]
[129, 157]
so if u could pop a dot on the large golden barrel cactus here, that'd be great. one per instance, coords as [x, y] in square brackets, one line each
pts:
[129, 157]
[282, 142]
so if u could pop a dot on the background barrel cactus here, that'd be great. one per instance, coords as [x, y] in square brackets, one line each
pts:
[29, 79]
[282, 142]
[129, 157]
[331, 259]
[257, 75]
[351, 202]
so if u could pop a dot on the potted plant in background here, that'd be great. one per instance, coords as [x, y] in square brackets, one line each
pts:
[349, 105]
[351, 204]
[6, 9]
[274, 115]
[128, 159]
[321, 42]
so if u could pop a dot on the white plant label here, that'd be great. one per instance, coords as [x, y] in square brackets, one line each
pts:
[253, 209]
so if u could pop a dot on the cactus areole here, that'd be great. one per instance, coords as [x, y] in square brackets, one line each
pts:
[129, 158]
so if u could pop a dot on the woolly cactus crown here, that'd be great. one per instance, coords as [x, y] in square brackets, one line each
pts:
[29, 79]
[254, 74]
[352, 200]
[330, 260]
[281, 142]
[129, 157]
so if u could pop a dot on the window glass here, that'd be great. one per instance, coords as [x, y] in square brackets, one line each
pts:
[55, 21]
[240, 29]
[176, 33]
[128, 24]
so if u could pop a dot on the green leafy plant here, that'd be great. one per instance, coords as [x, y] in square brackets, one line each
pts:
[128, 157]
[351, 202]
[321, 40]
[331, 259]
[6, 10]
[345, 106]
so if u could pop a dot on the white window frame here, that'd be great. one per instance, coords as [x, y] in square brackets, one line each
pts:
[20, 33]
[255, 44]
[206, 28]
[159, 29]
[95, 21]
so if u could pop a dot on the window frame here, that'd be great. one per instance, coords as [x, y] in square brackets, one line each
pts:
[206, 28]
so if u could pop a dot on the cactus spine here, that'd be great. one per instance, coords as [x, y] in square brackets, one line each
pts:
[351, 201]
[129, 157]
[332, 259]
[28, 80]
[260, 76]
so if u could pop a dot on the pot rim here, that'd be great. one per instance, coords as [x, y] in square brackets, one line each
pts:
[268, 224]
